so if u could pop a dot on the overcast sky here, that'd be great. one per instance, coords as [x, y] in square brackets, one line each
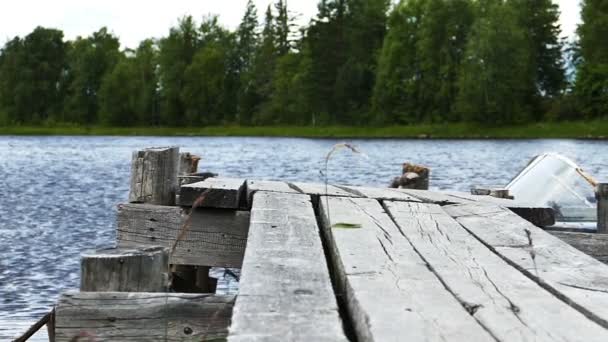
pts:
[134, 21]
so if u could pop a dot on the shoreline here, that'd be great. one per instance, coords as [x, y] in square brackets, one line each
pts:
[593, 130]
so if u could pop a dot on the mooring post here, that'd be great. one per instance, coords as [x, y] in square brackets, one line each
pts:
[154, 176]
[601, 194]
[125, 270]
[413, 177]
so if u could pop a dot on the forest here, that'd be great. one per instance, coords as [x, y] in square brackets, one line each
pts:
[356, 63]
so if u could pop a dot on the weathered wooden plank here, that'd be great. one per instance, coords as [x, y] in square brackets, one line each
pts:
[285, 292]
[214, 237]
[317, 189]
[571, 275]
[125, 270]
[121, 316]
[389, 292]
[537, 215]
[601, 194]
[219, 193]
[154, 176]
[434, 197]
[380, 193]
[508, 304]
[595, 245]
[254, 186]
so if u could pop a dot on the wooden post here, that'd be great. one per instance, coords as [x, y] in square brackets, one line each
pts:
[125, 270]
[188, 164]
[601, 194]
[154, 176]
[413, 177]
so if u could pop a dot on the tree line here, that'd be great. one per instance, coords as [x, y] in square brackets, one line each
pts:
[358, 62]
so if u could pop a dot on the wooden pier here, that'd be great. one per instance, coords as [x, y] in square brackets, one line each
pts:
[337, 263]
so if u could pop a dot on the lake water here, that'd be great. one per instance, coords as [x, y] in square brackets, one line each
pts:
[58, 195]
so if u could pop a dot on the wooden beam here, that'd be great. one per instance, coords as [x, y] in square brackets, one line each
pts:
[125, 270]
[566, 272]
[218, 193]
[506, 302]
[154, 176]
[123, 316]
[595, 245]
[285, 290]
[601, 194]
[389, 291]
[214, 237]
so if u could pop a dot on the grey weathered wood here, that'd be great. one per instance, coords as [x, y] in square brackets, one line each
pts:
[601, 194]
[571, 275]
[125, 270]
[537, 215]
[154, 176]
[380, 193]
[317, 189]
[254, 186]
[510, 305]
[188, 164]
[218, 193]
[389, 292]
[214, 237]
[595, 245]
[285, 290]
[107, 316]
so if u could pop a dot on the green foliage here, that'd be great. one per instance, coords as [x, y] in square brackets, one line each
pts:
[497, 77]
[591, 84]
[358, 62]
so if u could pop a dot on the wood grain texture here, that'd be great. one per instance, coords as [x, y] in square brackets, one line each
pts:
[537, 215]
[285, 290]
[254, 186]
[154, 176]
[593, 244]
[510, 305]
[569, 274]
[317, 189]
[389, 292]
[125, 270]
[215, 237]
[381, 193]
[120, 316]
[219, 193]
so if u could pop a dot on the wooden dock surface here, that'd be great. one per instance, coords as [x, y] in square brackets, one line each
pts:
[341, 263]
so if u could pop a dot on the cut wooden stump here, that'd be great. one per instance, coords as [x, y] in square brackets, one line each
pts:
[125, 270]
[595, 245]
[154, 176]
[214, 237]
[285, 291]
[576, 278]
[218, 193]
[509, 305]
[108, 316]
[389, 292]
[601, 194]
[188, 164]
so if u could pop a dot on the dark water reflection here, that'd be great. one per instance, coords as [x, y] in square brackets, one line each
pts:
[58, 194]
